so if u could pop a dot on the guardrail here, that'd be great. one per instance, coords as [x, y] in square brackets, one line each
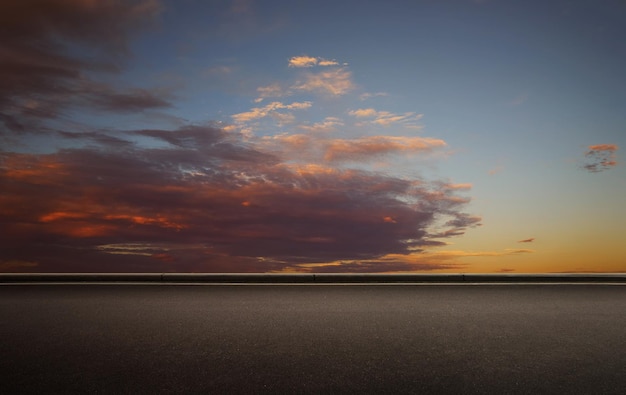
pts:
[320, 278]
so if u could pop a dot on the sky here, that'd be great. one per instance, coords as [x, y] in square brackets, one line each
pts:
[473, 136]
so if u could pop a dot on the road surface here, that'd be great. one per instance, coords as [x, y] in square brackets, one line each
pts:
[312, 338]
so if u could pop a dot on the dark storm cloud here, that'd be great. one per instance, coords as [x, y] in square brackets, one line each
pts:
[209, 202]
[601, 157]
[50, 49]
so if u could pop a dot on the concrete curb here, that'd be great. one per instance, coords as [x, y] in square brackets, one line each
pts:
[320, 278]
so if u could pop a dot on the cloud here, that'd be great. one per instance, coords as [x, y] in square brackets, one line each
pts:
[367, 95]
[324, 62]
[302, 61]
[454, 254]
[495, 170]
[363, 113]
[41, 78]
[527, 240]
[459, 186]
[308, 61]
[132, 100]
[323, 149]
[601, 157]
[327, 125]
[335, 82]
[385, 118]
[269, 109]
[16, 265]
[339, 150]
[422, 261]
[273, 90]
[208, 200]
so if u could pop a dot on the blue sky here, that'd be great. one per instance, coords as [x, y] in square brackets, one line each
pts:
[516, 108]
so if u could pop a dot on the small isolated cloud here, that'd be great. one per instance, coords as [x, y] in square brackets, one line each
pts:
[324, 62]
[309, 61]
[527, 240]
[495, 170]
[601, 157]
[218, 70]
[367, 95]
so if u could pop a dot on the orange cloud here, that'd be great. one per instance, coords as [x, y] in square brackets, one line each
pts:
[269, 109]
[273, 90]
[242, 204]
[302, 61]
[365, 147]
[459, 186]
[409, 262]
[309, 61]
[385, 118]
[16, 265]
[332, 82]
[329, 124]
[603, 147]
[601, 157]
[363, 113]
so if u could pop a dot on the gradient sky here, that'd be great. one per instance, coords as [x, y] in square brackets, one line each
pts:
[312, 136]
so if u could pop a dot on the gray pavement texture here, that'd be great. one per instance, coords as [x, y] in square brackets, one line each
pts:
[456, 339]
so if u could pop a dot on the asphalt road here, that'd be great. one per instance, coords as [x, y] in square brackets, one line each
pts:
[514, 339]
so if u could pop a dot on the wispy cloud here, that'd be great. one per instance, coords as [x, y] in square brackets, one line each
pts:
[334, 82]
[16, 265]
[309, 61]
[465, 254]
[601, 157]
[327, 125]
[41, 79]
[269, 109]
[320, 148]
[368, 147]
[423, 261]
[385, 118]
[272, 90]
[495, 170]
[527, 240]
[367, 95]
